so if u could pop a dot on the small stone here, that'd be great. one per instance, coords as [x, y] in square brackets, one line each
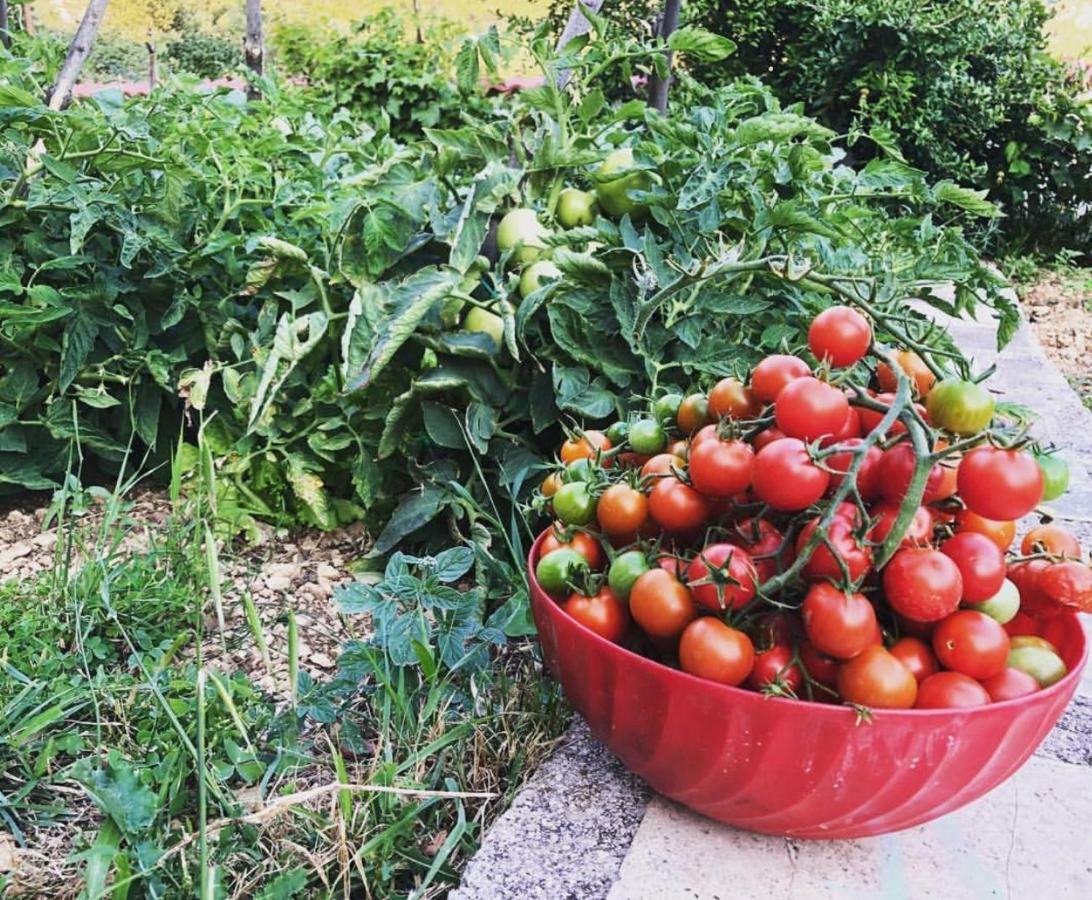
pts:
[322, 661]
[46, 540]
[324, 570]
[15, 551]
[277, 583]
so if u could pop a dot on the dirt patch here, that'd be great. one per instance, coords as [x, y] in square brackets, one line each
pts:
[1058, 306]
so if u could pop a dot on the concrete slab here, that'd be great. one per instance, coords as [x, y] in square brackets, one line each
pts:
[1023, 842]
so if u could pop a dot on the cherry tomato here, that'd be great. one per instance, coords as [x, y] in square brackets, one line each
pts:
[868, 481]
[710, 649]
[663, 464]
[917, 535]
[647, 437]
[693, 413]
[677, 507]
[624, 570]
[912, 365]
[759, 538]
[679, 448]
[924, 585]
[1002, 606]
[665, 409]
[876, 679]
[850, 430]
[722, 468]
[580, 541]
[1051, 539]
[785, 476]
[839, 335]
[916, 655]
[819, 666]
[622, 510]
[774, 372]
[1021, 624]
[808, 408]
[731, 399]
[972, 643]
[1044, 665]
[951, 690]
[603, 613]
[1009, 684]
[585, 446]
[550, 484]
[1055, 475]
[897, 468]
[1000, 484]
[556, 572]
[574, 503]
[1001, 533]
[661, 604]
[841, 548]
[1067, 583]
[981, 565]
[871, 418]
[768, 436]
[722, 576]
[1025, 575]
[961, 407]
[838, 624]
[775, 666]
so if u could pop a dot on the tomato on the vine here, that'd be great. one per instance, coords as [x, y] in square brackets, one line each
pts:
[916, 655]
[665, 409]
[1055, 475]
[624, 571]
[1000, 484]
[722, 576]
[1002, 533]
[842, 548]
[574, 503]
[676, 506]
[786, 477]
[839, 463]
[663, 464]
[972, 643]
[874, 678]
[913, 366]
[775, 667]
[647, 437]
[951, 690]
[896, 470]
[622, 510]
[1052, 539]
[556, 572]
[584, 446]
[917, 535]
[550, 484]
[924, 585]
[1067, 583]
[710, 649]
[731, 399]
[661, 604]
[774, 372]
[760, 538]
[961, 407]
[849, 431]
[580, 541]
[980, 562]
[819, 666]
[722, 468]
[837, 623]
[602, 612]
[808, 408]
[693, 413]
[840, 336]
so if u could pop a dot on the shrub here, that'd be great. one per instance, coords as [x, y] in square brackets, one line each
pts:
[203, 55]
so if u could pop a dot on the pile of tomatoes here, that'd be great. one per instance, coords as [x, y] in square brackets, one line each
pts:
[834, 531]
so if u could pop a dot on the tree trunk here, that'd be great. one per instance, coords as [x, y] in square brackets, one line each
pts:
[5, 37]
[417, 20]
[28, 19]
[577, 25]
[77, 53]
[153, 64]
[253, 49]
[669, 21]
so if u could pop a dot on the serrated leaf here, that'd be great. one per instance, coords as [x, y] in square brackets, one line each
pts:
[311, 492]
[971, 200]
[118, 793]
[467, 67]
[416, 509]
[780, 127]
[79, 337]
[452, 564]
[703, 45]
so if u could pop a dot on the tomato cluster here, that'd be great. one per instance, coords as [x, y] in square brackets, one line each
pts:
[837, 532]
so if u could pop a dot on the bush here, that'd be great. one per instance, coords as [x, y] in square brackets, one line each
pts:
[203, 55]
[966, 89]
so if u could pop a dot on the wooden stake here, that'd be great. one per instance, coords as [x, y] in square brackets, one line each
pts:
[657, 93]
[577, 25]
[253, 49]
[77, 53]
[5, 36]
[153, 63]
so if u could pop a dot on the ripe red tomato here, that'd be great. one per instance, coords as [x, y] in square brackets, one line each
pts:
[838, 624]
[916, 655]
[775, 666]
[722, 468]
[808, 408]
[839, 335]
[710, 649]
[924, 585]
[759, 538]
[785, 476]
[584, 446]
[841, 544]
[819, 666]
[580, 541]
[911, 364]
[850, 430]
[693, 413]
[603, 613]
[1067, 583]
[661, 604]
[1025, 575]
[1001, 533]
[980, 562]
[767, 437]
[731, 399]
[1009, 684]
[663, 464]
[622, 510]
[1021, 624]
[876, 679]
[972, 643]
[871, 418]
[897, 468]
[917, 535]
[950, 690]
[722, 576]
[1000, 484]
[1052, 539]
[774, 372]
[676, 506]
[868, 482]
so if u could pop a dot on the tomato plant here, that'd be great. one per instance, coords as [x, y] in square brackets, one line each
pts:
[961, 407]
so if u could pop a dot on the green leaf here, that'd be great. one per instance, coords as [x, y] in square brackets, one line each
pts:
[701, 44]
[972, 201]
[116, 790]
[467, 67]
[442, 426]
[416, 509]
[294, 339]
[311, 492]
[79, 337]
[780, 127]
[452, 564]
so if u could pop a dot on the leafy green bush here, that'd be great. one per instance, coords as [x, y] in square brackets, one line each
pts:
[203, 55]
[966, 89]
[299, 283]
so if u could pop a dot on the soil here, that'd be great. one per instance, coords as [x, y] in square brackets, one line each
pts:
[1058, 306]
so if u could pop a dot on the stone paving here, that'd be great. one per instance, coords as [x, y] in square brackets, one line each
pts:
[583, 828]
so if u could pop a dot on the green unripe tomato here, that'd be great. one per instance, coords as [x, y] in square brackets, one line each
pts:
[647, 437]
[624, 572]
[666, 408]
[483, 320]
[579, 470]
[574, 503]
[556, 570]
[613, 193]
[575, 207]
[1055, 475]
[535, 275]
[1045, 666]
[617, 433]
[961, 407]
[1002, 606]
[521, 231]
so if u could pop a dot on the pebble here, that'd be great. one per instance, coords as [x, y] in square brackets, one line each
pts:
[15, 551]
[45, 540]
[277, 583]
[322, 660]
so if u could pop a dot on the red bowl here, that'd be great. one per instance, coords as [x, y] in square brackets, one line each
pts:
[784, 767]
